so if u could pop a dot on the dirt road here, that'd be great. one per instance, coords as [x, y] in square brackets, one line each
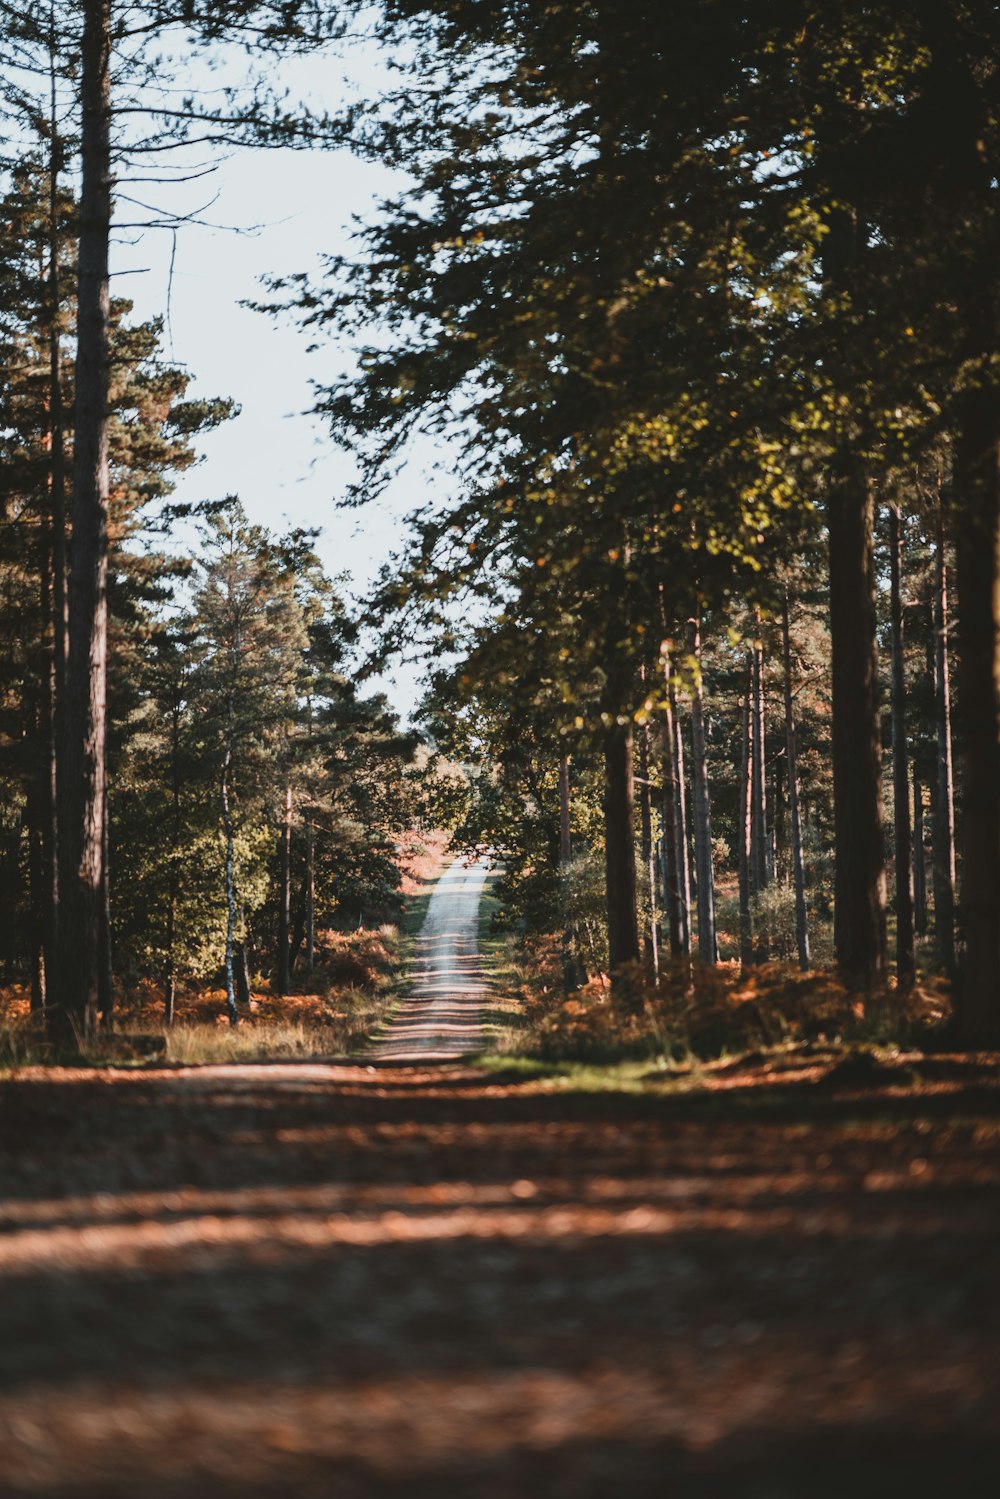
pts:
[441, 1019]
[315, 1281]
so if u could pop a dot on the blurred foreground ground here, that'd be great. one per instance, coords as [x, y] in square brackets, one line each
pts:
[312, 1280]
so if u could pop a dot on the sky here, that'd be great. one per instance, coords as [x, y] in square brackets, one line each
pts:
[278, 459]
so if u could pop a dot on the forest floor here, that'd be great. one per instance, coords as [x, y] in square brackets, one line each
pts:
[771, 1277]
[325, 1280]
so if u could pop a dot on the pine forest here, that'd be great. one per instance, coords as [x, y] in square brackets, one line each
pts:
[600, 1040]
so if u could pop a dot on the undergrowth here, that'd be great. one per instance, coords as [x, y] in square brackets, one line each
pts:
[331, 1012]
[696, 1012]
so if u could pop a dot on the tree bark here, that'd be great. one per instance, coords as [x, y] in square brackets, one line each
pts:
[105, 984]
[671, 881]
[647, 846]
[310, 898]
[36, 893]
[760, 862]
[565, 829]
[170, 975]
[683, 838]
[859, 877]
[283, 973]
[619, 780]
[919, 860]
[977, 552]
[744, 823]
[943, 831]
[707, 944]
[619, 844]
[905, 954]
[227, 826]
[241, 966]
[794, 808]
[860, 936]
[83, 746]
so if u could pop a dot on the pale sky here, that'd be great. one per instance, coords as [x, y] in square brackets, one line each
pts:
[280, 462]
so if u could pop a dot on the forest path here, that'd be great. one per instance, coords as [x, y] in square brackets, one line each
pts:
[364, 1282]
[441, 1019]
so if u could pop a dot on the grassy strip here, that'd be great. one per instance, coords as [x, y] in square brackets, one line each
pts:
[798, 1083]
[503, 1016]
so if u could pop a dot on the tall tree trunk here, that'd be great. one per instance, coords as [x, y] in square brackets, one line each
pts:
[794, 809]
[919, 858]
[310, 898]
[707, 944]
[56, 412]
[105, 984]
[82, 750]
[977, 552]
[170, 975]
[241, 964]
[905, 956]
[565, 828]
[859, 858]
[571, 976]
[619, 843]
[760, 861]
[282, 966]
[943, 845]
[619, 779]
[45, 775]
[36, 895]
[647, 846]
[227, 827]
[744, 823]
[671, 873]
[683, 841]
[859, 878]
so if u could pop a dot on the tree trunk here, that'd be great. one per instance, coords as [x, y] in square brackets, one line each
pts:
[54, 562]
[646, 843]
[744, 824]
[760, 864]
[859, 875]
[170, 975]
[671, 873]
[619, 844]
[707, 944]
[282, 967]
[860, 935]
[619, 781]
[36, 896]
[977, 465]
[227, 826]
[919, 864]
[905, 956]
[794, 809]
[683, 842]
[760, 861]
[571, 969]
[943, 831]
[310, 898]
[565, 831]
[82, 751]
[105, 986]
[241, 966]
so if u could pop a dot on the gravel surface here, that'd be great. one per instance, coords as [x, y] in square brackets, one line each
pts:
[442, 1018]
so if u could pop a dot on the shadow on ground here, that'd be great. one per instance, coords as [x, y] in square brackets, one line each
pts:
[351, 1281]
